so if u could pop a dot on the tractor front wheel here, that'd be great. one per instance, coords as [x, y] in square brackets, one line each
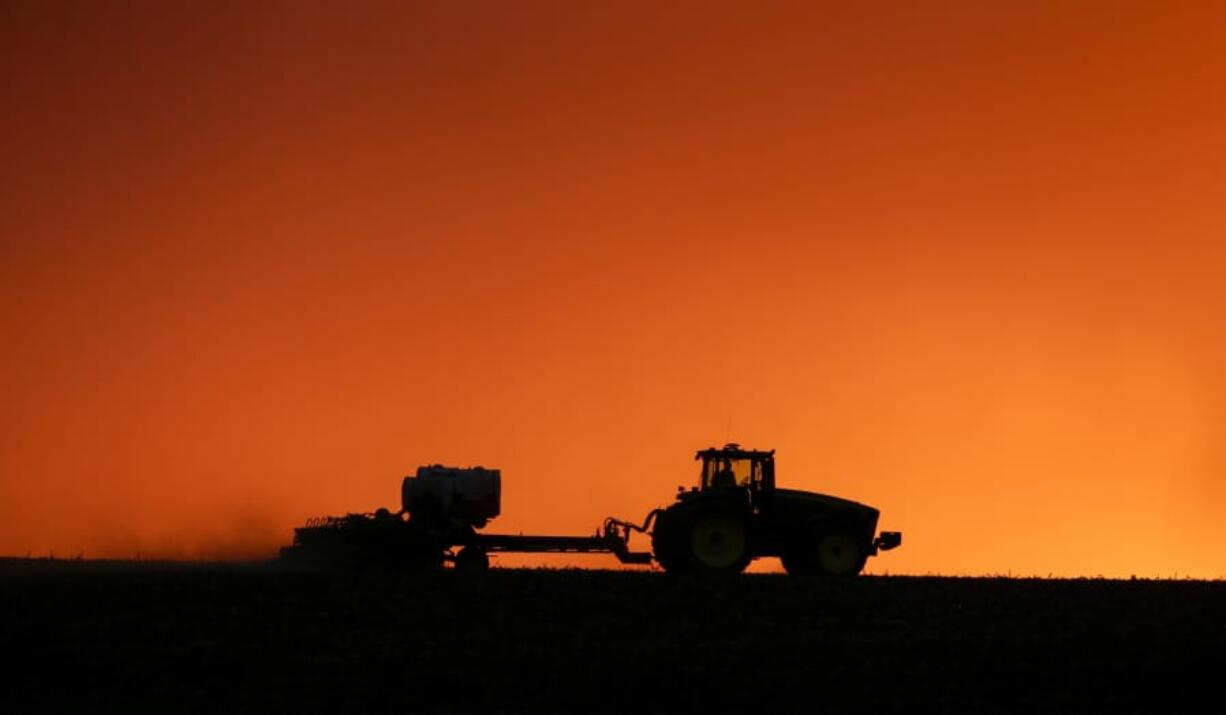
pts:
[834, 553]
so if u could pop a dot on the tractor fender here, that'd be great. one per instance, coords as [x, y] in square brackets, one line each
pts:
[691, 508]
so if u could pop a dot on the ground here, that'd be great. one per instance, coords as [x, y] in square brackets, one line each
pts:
[251, 638]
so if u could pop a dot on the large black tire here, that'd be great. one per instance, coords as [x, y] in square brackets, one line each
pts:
[832, 552]
[719, 542]
[708, 537]
[668, 542]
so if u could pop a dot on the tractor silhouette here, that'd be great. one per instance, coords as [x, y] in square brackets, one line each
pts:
[736, 514]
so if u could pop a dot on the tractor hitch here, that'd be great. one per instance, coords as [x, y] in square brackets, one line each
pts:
[617, 536]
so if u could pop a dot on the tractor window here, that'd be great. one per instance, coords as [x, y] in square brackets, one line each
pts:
[730, 472]
[742, 468]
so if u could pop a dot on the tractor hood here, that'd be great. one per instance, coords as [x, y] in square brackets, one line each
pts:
[823, 502]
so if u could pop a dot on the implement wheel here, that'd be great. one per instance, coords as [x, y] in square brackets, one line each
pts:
[472, 559]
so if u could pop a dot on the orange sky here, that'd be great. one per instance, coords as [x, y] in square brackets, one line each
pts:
[963, 264]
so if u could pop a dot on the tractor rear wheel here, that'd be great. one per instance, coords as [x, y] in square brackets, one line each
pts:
[719, 543]
[668, 543]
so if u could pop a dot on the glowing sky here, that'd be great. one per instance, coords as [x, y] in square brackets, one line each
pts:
[961, 262]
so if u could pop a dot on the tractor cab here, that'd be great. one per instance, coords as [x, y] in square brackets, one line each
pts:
[734, 468]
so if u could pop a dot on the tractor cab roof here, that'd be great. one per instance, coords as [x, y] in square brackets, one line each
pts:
[733, 451]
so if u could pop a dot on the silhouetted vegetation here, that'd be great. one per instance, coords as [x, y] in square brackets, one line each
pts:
[115, 637]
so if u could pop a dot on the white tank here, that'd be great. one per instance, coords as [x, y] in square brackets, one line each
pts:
[473, 495]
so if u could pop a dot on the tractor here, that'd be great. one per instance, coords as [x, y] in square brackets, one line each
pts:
[736, 514]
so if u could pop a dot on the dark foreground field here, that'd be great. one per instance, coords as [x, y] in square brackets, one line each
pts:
[252, 639]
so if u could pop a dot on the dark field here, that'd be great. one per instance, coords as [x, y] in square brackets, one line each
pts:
[132, 637]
